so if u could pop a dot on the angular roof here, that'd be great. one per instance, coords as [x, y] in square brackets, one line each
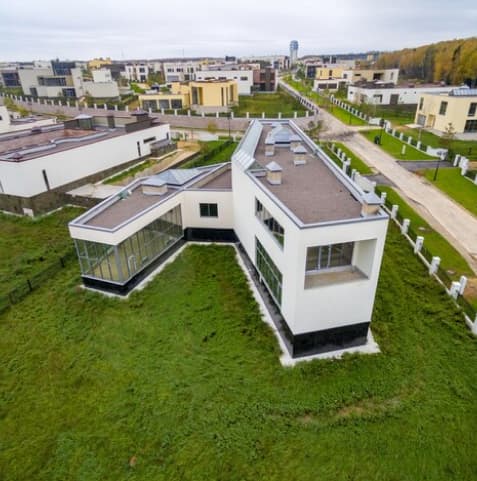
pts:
[273, 167]
[154, 182]
[299, 150]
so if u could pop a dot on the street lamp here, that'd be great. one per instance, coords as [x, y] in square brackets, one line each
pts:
[441, 157]
[382, 122]
[228, 118]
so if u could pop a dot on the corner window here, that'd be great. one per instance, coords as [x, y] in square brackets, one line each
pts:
[329, 256]
[269, 273]
[208, 210]
[268, 221]
[443, 108]
[472, 109]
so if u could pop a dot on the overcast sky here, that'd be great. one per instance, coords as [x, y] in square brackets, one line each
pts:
[124, 29]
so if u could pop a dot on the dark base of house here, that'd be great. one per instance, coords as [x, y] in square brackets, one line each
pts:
[209, 235]
[310, 343]
[125, 289]
[190, 234]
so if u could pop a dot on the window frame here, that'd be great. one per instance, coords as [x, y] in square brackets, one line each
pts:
[262, 213]
[206, 209]
[324, 256]
[443, 107]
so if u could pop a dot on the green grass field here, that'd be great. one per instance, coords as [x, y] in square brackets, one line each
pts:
[270, 103]
[468, 148]
[461, 189]
[182, 381]
[451, 260]
[27, 246]
[356, 162]
[393, 146]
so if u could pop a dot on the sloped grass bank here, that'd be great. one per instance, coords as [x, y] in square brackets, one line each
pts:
[182, 381]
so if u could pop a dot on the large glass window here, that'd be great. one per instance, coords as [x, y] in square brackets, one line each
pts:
[472, 109]
[120, 263]
[273, 226]
[271, 276]
[329, 256]
[470, 126]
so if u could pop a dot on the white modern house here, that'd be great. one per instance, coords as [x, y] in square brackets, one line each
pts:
[243, 77]
[39, 164]
[388, 94]
[180, 71]
[313, 238]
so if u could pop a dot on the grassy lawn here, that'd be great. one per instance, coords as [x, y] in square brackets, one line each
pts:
[182, 381]
[345, 116]
[208, 158]
[27, 246]
[271, 104]
[393, 146]
[356, 162]
[451, 260]
[461, 189]
[468, 148]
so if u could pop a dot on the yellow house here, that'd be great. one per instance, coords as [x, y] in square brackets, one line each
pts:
[458, 107]
[324, 73]
[97, 63]
[203, 96]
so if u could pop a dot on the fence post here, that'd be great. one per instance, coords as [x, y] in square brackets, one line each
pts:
[463, 283]
[263, 115]
[247, 115]
[405, 226]
[383, 197]
[295, 115]
[394, 211]
[434, 265]
[418, 244]
[454, 289]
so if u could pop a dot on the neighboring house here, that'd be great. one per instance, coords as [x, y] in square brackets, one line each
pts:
[136, 72]
[9, 78]
[277, 62]
[37, 166]
[201, 95]
[65, 79]
[312, 237]
[243, 77]
[388, 94]
[336, 76]
[180, 71]
[265, 79]
[458, 107]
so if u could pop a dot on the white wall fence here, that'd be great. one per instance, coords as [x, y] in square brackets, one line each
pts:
[413, 143]
[29, 104]
[455, 289]
[463, 163]
[305, 101]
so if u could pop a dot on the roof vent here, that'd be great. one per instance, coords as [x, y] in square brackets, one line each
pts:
[274, 173]
[371, 204]
[299, 155]
[154, 186]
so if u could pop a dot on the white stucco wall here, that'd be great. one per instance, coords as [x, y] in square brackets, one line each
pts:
[25, 178]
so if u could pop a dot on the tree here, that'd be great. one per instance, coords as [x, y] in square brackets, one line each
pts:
[447, 139]
[212, 127]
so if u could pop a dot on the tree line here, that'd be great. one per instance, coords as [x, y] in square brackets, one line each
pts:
[453, 62]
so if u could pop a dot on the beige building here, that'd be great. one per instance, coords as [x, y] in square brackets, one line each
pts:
[202, 96]
[458, 107]
[334, 77]
[99, 63]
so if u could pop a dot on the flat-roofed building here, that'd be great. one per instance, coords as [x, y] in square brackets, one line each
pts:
[312, 237]
[180, 71]
[39, 165]
[458, 107]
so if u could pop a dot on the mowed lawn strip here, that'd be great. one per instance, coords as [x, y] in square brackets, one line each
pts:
[356, 162]
[29, 245]
[451, 260]
[182, 381]
[393, 146]
[455, 185]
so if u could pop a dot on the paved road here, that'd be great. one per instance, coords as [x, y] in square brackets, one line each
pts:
[446, 216]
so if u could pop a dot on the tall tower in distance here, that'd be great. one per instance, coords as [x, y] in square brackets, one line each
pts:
[293, 52]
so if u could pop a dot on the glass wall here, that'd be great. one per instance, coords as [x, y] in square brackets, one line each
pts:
[119, 263]
[273, 225]
[329, 256]
[271, 276]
